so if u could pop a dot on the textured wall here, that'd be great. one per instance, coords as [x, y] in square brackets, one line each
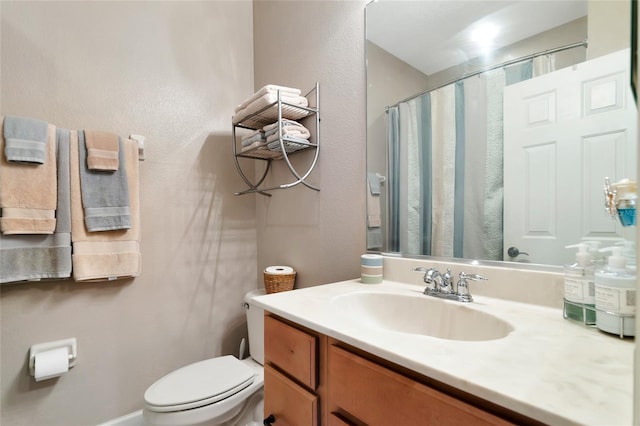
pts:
[172, 71]
[321, 234]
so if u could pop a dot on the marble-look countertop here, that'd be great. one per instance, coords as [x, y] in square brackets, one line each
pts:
[547, 368]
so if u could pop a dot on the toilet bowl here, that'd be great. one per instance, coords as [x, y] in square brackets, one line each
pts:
[221, 391]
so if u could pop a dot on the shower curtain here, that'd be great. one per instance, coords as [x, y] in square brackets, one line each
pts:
[445, 166]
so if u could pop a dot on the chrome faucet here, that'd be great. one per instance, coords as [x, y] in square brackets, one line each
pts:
[442, 286]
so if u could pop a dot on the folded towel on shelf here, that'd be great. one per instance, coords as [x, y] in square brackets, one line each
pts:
[28, 192]
[290, 144]
[25, 139]
[34, 257]
[268, 89]
[273, 127]
[255, 136]
[290, 133]
[272, 114]
[102, 150]
[105, 196]
[290, 129]
[100, 256]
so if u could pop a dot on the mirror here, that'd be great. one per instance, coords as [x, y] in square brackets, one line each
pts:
[452, 167]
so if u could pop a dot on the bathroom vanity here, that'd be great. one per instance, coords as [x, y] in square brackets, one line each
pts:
[335, 355]
[357, 387]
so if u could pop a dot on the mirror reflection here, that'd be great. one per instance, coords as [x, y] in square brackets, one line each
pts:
[491, 127]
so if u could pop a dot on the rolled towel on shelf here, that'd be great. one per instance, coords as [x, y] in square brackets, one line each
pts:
[268, 89]
[25, 139]
[28, 192]
[102, 150]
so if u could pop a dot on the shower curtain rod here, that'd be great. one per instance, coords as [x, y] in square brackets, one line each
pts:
[493, 67]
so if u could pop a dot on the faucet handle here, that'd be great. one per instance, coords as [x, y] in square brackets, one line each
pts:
[463, 285]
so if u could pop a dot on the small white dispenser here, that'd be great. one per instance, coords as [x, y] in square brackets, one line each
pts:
[579, 290]
[616, 295]
[52, 359]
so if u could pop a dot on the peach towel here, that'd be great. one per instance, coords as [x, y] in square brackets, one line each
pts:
[102, 150]
[107, 255]
[28, 192]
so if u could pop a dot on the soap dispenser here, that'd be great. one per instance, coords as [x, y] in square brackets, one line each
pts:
[579, 288]
[597, 258]
[629, 253]
[615, 290]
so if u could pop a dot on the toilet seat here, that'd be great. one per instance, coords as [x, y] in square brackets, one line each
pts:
[199, 384]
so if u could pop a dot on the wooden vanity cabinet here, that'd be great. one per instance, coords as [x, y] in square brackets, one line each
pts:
[314, 380]
[294, 373]
[362, 392]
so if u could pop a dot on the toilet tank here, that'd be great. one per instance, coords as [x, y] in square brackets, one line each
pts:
[255, 324]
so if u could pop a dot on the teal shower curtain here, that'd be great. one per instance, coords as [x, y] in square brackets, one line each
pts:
[445, 168]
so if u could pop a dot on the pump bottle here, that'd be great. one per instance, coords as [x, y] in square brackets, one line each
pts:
[615, 287]
[579, 288]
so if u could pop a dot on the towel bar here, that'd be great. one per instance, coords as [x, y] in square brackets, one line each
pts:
[140, 139]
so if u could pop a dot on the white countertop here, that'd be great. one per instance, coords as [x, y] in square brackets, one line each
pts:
[548, 368]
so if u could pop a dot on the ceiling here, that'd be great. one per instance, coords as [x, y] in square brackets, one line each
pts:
[443, 28]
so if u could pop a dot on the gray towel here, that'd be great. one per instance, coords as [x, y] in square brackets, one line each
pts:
[25, 140]
[33, 257]
[105, 196]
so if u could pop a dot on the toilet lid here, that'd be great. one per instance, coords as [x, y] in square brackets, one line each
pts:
[199, 384]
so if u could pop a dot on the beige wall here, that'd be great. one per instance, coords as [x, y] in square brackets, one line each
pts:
[172, 71]
[321, 234]
[609, 28]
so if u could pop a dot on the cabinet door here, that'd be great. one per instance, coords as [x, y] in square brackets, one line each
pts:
[292, 350]
[290, 404]
[376, 395]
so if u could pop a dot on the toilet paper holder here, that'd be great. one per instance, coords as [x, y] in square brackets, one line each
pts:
[70, 344]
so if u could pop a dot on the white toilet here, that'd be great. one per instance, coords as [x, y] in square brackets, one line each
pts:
[218, 391]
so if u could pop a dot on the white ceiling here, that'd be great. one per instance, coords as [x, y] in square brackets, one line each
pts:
[432, 35]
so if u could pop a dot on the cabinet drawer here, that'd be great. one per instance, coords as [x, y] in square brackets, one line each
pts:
[292, 350]
[290, 404]
[376, 395]
[334, 420]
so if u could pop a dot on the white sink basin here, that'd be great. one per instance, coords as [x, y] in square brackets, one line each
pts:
[420, 314]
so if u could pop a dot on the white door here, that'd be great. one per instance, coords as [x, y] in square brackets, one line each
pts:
[565, 132]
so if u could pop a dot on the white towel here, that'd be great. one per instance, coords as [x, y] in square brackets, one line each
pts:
[290, 129]
[272, 114]
[290, 133]
[257, 136]
[270, 128]
[269, 88]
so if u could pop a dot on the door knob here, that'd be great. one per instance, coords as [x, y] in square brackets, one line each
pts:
[514, 252]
